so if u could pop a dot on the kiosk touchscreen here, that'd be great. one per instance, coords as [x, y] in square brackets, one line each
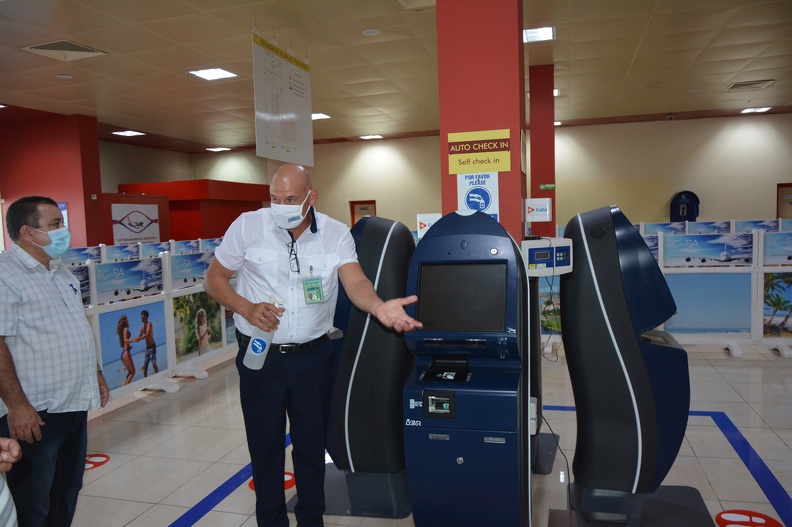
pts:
[466, 409]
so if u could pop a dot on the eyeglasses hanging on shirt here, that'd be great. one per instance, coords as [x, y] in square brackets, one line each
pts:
[294, 263]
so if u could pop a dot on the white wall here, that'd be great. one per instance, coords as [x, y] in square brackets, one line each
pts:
[119, 164]
[401, 175]
[732, 164]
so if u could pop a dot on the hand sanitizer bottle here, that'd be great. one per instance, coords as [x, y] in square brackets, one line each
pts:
[260, 342]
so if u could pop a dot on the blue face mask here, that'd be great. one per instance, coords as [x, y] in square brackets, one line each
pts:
[60, 239]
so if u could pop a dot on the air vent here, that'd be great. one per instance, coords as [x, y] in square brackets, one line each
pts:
[64, 50]
[749, 85]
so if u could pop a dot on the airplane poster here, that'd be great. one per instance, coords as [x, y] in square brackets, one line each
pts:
[153, 249]
[80, 256]
[118, 253]
[708, 250]
[677, 227]
[760, 225]
[188, 269]
[186, 247]
[130, 279]
[708, 227]
[777, 248]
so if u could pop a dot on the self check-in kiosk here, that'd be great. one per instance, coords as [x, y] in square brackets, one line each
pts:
[466, 403]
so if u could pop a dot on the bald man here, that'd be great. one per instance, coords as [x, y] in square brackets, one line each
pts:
[299, 254]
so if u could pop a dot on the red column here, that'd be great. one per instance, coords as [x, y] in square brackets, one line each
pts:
[482, 89]
[58, 157]
[542, 134]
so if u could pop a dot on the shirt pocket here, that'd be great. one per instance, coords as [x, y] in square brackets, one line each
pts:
[325, 266]
[263, 264]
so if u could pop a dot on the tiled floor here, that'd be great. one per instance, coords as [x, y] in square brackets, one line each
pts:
[169, 451]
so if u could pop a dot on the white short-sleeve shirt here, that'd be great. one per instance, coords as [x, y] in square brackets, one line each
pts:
[258, 250]
[45, 328]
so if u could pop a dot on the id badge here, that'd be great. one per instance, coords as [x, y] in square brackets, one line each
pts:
[312, 289]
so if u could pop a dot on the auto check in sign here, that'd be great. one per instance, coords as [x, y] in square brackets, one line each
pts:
[476, 158]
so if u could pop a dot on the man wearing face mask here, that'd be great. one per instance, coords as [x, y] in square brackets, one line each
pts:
[299, 254]
[49, 377]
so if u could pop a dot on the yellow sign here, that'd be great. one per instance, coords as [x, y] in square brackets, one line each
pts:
[486, 151]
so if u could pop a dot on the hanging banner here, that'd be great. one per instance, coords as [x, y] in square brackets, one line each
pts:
[134, 223]
[282, 90]
[486, 151]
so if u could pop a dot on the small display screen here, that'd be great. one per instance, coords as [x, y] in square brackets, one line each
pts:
[463, 297]
[543, 255]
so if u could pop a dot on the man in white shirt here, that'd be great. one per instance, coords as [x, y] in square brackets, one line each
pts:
[299, 254]
[10, 452]
[49, 377]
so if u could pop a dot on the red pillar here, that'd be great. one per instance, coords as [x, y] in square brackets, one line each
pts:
[57, 157]
[482, 89]
[542, 134]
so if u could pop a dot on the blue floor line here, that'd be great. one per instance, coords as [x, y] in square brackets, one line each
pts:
[772, 488]
[203, 507]
[778, 497]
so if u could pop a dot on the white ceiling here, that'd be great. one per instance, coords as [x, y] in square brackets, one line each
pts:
[614, 60]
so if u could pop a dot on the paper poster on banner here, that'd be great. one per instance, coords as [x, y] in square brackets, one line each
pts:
[282, 95]
[478, 192]
[134, 223]
[118, 281]
[485, 151]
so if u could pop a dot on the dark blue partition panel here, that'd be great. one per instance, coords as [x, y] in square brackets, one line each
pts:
[631, 383]
[366, 439]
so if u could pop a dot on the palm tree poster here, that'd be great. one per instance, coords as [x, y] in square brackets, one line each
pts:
[777, 305]
[197, 324]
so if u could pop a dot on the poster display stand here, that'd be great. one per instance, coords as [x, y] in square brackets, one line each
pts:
[151, 318]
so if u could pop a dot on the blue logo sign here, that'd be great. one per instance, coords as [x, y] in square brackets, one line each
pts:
[478, 198]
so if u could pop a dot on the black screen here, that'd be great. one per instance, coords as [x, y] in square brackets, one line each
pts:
[466, 297]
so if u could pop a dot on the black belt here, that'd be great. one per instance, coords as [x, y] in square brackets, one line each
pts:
[291, 348]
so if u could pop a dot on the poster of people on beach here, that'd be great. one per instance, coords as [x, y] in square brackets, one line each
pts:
[133, 341]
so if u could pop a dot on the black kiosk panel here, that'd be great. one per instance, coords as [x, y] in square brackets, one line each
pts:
[466, 429]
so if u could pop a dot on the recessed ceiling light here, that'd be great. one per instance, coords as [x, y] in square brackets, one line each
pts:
[64, 76]
[756, 110]
[556, 123]
[371, 137]
[218, 149]
[213, 74]
[2, 105]
[317, 116]
[539, 34]
[371, 32]
[128, 133]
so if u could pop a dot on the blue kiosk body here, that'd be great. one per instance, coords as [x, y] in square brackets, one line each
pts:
[466, 403]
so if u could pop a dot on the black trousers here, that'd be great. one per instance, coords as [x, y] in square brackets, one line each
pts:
[297, 385]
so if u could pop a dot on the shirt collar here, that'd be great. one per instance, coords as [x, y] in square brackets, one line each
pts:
[30, 262]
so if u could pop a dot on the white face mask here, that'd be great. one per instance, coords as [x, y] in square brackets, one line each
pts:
[289, 216]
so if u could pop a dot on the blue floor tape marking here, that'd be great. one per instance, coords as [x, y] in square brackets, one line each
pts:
[772, 488]
[203, 507]
[778, 497]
